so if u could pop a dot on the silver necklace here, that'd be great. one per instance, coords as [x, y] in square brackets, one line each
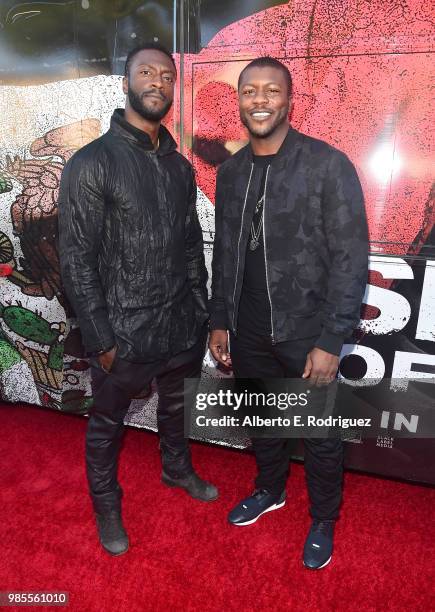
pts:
[259, 205]
[255, 233]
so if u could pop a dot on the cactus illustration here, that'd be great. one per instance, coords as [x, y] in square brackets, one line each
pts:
[29, 325]
[55, 357]
[46, 369]
[5, 183]
[76, 401]
[9, 356]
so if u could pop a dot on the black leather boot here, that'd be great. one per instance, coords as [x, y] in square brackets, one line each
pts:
[107, 507]
[177, 470]
[113, 537]
[193, 485]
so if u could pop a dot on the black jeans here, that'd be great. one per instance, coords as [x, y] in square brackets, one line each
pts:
[112, 393]
[254, 356]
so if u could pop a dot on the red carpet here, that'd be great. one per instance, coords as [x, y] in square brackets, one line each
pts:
[183, 555]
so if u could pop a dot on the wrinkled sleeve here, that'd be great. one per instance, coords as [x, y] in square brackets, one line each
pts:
[196, 269]
[81, 224]
[346, 231]
[218, 316]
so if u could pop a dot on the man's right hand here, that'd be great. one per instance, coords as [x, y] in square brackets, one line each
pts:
[218, 345]
[106, 359]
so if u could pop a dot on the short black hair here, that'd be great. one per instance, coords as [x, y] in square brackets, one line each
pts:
[148, 45]
[266, 61]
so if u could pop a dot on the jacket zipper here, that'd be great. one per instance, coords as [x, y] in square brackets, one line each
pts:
[238, 250]
[265, 257]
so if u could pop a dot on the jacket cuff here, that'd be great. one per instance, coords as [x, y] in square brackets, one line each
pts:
[101, 351]
[218, 320]
[330, 342]
[97, 336]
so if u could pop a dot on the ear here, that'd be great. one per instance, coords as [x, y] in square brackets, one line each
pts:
[125, 85]
[291, 107]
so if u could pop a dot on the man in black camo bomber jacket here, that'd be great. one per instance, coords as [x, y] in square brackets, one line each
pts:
[289, 273]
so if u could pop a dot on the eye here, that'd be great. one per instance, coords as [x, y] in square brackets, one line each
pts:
[248, 92]
[169, 79]
[145, 71]
[273, 90]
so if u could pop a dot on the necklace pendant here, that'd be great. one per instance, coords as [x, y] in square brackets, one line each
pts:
[253, 244]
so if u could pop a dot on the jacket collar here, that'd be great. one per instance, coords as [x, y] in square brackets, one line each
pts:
[287, 151]
[123, 128]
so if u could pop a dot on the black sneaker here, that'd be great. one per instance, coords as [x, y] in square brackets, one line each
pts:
[194, 485]
[113, 536]
[250, 509]
[319, 544]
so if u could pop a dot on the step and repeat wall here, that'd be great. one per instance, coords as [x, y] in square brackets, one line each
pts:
[362, 82]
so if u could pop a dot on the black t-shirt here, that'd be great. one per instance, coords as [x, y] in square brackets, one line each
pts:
[254, 307]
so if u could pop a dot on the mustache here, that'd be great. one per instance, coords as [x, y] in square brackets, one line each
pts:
[154, 93]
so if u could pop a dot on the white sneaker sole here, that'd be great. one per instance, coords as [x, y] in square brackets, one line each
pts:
[320, 566]
[274, 507]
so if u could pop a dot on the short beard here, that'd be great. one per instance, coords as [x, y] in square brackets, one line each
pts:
[150, 114]
[278, 121]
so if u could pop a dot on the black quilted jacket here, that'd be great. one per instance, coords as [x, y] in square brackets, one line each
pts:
[316, 244]
[131, 246]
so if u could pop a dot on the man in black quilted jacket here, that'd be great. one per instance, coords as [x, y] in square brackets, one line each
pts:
[132, 261]
[289, 273]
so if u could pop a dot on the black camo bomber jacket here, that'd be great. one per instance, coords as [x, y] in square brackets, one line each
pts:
[315, 237]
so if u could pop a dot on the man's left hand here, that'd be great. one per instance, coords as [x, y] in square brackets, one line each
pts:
[321, 367]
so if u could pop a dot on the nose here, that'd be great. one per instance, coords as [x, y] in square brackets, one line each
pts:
[260, 97]
[157, 81]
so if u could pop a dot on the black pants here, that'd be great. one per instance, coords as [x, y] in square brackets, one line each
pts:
[254, 356]
[112, 394]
